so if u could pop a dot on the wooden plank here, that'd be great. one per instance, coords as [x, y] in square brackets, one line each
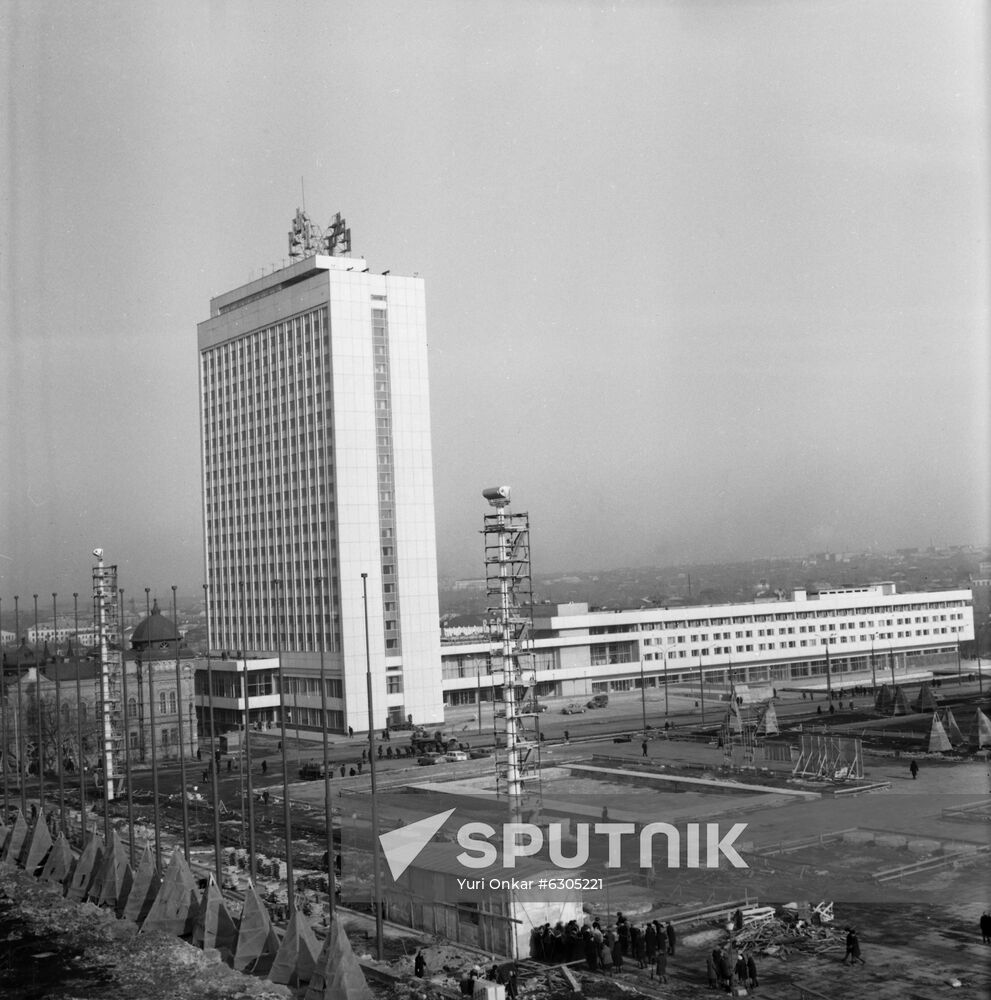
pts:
[569, 976]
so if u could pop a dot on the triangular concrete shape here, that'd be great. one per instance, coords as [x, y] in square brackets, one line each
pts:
[87, 866]
[338, 973]
[16, 838]
[980, 735]
[58, 867]
[108, 888]
[257, 942]
[38, 846]
[214, 925]
[939, 742]
[297, 956]
[177, 903]
[952, 729]
[147, 882]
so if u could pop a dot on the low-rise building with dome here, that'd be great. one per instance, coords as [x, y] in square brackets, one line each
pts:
[157, 699]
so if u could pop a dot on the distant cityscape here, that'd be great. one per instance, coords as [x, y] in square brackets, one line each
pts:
[623, 588]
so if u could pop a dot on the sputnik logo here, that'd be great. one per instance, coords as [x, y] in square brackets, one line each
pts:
[402, 846]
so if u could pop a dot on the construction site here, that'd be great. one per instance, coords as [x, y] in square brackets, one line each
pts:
[774, 831]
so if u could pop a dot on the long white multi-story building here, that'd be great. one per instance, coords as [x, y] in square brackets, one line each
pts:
[317, 479]
[867, 630]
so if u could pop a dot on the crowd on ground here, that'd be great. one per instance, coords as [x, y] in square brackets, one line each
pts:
[648, 944]
[607, 949]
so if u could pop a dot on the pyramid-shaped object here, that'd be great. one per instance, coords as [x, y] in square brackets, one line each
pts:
[177, 903]
[939, 742]
[883, 700]
[338, 973]
[980, 735]
[39, 844]
[58, 867]
[257, 942]
[214, 925]
[113, 884]
[952, 729]
[147, 882]
[901, 705]
[86, 869]
[297, 957]
[768, 725]
[17, 836]
[925, 701]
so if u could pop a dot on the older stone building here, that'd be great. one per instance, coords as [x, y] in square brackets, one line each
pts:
[66, 691]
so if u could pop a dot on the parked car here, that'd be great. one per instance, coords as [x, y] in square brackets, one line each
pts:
[311, 771]
[533, 708]
[573, 709]
[597, 701]
[451, 757]
[480, 753]
[427, 759]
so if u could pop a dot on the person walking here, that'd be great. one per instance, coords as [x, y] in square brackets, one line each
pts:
[643, 748]
[419, 965]
[986, 927]
[852, 947]
[914, 768]
[672, 937]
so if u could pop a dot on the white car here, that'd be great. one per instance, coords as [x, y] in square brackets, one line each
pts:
[452, 756]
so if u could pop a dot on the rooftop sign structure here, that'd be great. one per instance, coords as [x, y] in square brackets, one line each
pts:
[307, 239]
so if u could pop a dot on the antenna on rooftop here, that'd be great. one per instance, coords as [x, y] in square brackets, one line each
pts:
[307, 239]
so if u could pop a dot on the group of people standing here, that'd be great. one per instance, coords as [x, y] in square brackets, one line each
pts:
[729, 965]
[607, 950]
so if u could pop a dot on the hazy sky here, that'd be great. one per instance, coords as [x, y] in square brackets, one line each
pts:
[705, 280]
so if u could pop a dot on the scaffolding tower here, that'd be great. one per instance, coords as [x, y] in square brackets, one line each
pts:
[510, 618]
[106, 605]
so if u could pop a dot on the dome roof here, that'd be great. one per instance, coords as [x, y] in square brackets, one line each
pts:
[156, 628]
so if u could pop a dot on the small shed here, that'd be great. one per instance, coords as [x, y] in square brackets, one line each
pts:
[480, 908]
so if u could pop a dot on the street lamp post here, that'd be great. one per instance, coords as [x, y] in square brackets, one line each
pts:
[182, 741]
[127, 739]
[664, 655]
[891, 664]
[156, 816]
[79, 722]
[5, 749]
[37, 702]
[18, 720]
[327, 804]
[643, 696]
[377, 864]
[702, 688]
[829, 672]
[59, 755]
[286, 809]
[873, 671]
[215, 763]
[247, 749]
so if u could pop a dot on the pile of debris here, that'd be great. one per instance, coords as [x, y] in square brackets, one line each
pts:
[796, 927]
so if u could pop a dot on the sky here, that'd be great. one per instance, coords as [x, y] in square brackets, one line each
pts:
[705, 280]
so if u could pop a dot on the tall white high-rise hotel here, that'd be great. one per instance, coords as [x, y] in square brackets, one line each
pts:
[315, 427]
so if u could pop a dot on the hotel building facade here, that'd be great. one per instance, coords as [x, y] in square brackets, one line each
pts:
[317, 483]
